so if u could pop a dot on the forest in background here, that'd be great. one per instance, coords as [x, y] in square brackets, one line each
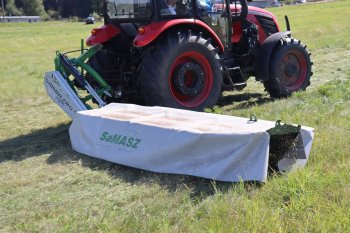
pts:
[47, 9]
[56, 9]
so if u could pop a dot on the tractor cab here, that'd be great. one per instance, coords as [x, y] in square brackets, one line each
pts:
[131, 14]
[156, 10]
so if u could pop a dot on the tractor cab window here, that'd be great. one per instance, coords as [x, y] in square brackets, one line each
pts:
[129, 9]
[175, 7]
[205, 7]
[210, 10]
[212, 13]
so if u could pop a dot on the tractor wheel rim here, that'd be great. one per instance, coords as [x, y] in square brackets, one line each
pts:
[190, 79]
[293, 70]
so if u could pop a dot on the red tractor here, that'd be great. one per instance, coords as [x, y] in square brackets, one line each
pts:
[185, 53]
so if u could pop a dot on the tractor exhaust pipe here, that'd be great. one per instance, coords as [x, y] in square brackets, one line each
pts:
[287, 23]
[244, 11]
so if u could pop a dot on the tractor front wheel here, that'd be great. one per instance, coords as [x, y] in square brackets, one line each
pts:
[181, 71]
[290, 68]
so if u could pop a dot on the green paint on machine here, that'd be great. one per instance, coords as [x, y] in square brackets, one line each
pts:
[119, 139]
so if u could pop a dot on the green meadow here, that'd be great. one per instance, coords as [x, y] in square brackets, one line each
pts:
[45, 186]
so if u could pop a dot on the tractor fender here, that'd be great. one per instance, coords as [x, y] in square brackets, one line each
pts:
[102, 34]
[148, 33]
[262, 61]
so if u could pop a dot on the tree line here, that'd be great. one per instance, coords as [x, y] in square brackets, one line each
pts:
[50, 8]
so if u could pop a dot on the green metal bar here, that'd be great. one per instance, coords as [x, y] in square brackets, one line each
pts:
[80, 63]
[81, 52]
[90, 52]
[57, 61]
[92, 72]
[82, 46]
[59, 67]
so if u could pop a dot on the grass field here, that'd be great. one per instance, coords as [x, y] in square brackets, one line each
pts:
[47, 187]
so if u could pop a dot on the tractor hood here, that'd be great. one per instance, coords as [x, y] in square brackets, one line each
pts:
[259, 11]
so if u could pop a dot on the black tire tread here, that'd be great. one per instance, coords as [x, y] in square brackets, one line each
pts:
[154, 90]
[273, 85]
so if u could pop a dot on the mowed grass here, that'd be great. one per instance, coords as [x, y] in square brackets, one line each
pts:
[47, 187]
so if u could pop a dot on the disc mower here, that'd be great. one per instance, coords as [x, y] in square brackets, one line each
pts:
[179, 54]
[182, 54]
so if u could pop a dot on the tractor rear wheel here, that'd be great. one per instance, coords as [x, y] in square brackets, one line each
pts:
[290, 68]
[181, 71]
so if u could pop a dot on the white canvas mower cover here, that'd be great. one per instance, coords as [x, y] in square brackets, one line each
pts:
[170, 140]
[177, 141]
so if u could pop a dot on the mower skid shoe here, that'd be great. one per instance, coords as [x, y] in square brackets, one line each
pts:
[62, 94]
